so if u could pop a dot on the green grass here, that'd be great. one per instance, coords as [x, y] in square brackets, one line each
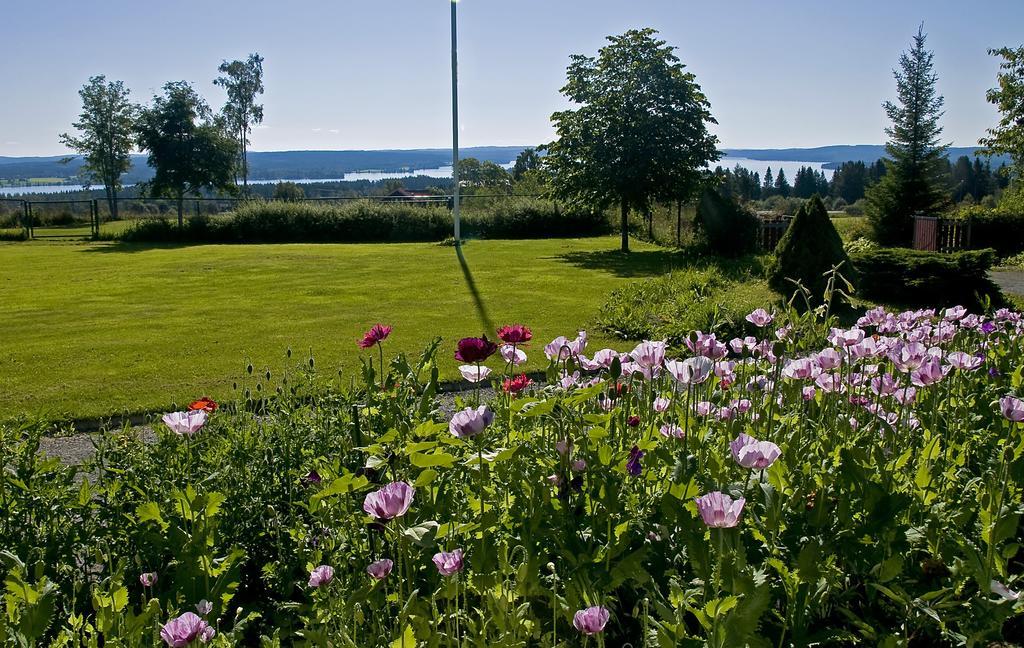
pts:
[81, 230]
[96, 329]
[851, 227]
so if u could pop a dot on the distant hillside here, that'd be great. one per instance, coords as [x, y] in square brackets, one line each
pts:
[833, 156]
[270, 165]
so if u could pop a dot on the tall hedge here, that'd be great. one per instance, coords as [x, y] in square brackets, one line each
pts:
[728, 228]
[367, 221]
[809, 249]
[999, 229]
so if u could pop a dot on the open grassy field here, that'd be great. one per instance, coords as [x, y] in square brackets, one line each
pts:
[96, 329]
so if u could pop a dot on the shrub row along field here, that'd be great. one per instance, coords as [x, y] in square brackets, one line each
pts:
[97, 329]
[807, 485]
[366, 221]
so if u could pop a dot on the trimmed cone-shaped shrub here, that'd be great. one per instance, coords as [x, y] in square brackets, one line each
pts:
[809, 249]
[730, 230]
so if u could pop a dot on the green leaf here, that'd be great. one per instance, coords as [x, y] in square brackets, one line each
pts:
[347, 483]
[425, 478]
[431, 460]
[406, 640]
[149, 512]
[423, 534]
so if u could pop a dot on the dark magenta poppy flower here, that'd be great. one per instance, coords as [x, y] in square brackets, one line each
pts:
[475, 349]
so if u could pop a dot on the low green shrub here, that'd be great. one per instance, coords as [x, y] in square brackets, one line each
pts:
[369, 221]
[917, 278]
[669, 307]
[12, 235]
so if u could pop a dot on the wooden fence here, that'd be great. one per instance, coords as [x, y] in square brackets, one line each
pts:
[770, 233]
[941, 234]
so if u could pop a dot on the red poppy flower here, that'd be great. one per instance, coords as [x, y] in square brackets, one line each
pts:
[516, 385]
[377, 334]
[205, 403]
[515, 334]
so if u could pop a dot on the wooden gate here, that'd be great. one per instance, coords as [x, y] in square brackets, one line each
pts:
[941, 234]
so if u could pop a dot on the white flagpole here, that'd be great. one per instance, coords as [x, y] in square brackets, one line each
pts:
[455, 126]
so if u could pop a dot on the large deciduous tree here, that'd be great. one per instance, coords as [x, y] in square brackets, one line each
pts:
[106, 134]
[638, 133]
[243, 81]
[914, 182]
[1008, 137]
[188, 149]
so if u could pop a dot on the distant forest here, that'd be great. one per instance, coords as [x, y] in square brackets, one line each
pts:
[968, 179]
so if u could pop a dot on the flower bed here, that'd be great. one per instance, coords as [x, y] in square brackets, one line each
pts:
[808, 485]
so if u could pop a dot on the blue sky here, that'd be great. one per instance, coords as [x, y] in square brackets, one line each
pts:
[374, 74]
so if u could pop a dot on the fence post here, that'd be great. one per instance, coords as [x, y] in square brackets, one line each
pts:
[95, 218]
[197, 209]
[28, 219]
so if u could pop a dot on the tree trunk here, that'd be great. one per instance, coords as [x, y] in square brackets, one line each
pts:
[112, 203]
[625, 226]
[679, 223]
[650, 224]
[245, 167]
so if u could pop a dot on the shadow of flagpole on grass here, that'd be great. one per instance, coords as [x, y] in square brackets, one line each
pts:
[478, 302]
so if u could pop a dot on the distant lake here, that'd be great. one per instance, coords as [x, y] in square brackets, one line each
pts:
[759, 166]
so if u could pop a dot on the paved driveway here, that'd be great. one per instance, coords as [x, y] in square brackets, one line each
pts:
[1010, 281]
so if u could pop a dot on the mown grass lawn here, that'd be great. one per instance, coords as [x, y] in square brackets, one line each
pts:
[97, 329]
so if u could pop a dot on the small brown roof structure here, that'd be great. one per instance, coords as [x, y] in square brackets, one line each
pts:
[409, 193]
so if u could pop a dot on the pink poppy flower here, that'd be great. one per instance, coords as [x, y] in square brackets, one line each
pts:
[511, 354]
[377, 334]
[692, 371]
[751, 453]
[592, 620]
[515, 334]
[474, 373]
[670, 430]
[381, 569]
[448, 563]
[760, 318]
[719, 510]
[1012, 408]
[389, 502]
[180, 631]
[321, 575]
[470, 422]
[185, 423]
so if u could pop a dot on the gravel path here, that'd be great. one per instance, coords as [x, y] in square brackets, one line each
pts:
[76, 449]
[1011, 281]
